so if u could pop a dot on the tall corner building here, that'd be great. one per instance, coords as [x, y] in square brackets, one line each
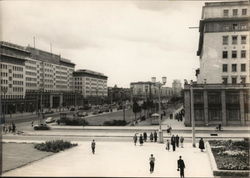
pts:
[221, 94]
[224, 43]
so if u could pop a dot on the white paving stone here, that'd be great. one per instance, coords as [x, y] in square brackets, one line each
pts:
[118, 159]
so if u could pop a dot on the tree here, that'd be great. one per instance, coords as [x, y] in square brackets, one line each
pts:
[136, 109]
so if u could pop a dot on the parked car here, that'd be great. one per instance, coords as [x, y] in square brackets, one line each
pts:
[49, 112]
[95, 112]
[82, 114]
[41, 127]
[50, 120]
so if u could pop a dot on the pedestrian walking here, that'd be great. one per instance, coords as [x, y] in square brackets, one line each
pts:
[201, 144]
[181, 167]
[4, 128]
[168, 145]
[32, 123]
[135, 139]
[155, 136]
[145, 136]
[10, 128]
[152, 163]
[13, 127]
[173, 142]
[151, 137]
[141, 140]
[177, 140]
[181, 141]
[93, 144]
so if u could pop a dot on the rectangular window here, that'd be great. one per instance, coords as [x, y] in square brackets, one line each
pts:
[224, 68]
[225, 40]
[226, 28]
[224, 54]
[243, 79]
[226, 12]
[235, 26]
[244, 11]
[243, 39]
[234, 54]
[235, 12]
[243, 26]
[234, 67]
[224, 80]
[243, 54]
[243, 67]
[234, 80]
[234, 40]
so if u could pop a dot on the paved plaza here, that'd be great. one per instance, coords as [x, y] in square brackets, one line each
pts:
[119, 159]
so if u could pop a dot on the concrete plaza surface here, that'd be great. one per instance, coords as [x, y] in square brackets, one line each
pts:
[119, 159]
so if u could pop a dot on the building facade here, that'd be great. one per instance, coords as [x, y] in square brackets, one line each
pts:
[90, 84]
[224, 43]
[176, 87]
[35, 78]
[118, 94]
[221, 94]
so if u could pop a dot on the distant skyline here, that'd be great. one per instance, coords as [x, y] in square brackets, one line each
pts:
[128, 41]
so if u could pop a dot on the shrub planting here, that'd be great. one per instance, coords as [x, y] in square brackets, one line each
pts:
[73, 121]
[115, 123]
[54, 146]
[231, 155]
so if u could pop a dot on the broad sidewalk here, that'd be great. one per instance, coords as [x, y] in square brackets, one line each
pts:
[118, 159]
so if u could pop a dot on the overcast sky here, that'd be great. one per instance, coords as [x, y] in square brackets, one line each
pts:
[126, 40]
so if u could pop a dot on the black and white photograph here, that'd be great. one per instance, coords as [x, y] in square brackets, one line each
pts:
[125, 88]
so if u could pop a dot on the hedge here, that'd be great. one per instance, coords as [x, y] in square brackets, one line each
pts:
[54, 146]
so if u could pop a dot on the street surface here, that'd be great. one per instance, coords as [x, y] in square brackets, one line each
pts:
[118, 159]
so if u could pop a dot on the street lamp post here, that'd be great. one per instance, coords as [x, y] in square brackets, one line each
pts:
[159, 84]
[192, 113]
[4, 90]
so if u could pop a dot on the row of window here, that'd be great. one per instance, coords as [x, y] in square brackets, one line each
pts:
[17, 75]
[30, 79]
[235, 26]
[13, 96]
[234, 68]
[31, 85]
[233, 79]
[3, 74]
[4, 81]
[3, 66]
[17, 82]
[225, 39]
[17, 89]
[30, 73]
[15, 68]
[234, 54]
[235, 12]
[30, 67]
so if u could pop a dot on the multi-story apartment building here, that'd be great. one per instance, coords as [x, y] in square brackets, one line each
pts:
[12, 66]
[224, 43]
[221, 93]
[90, 83]
[143, 90]
[177, 88]
[34, 75]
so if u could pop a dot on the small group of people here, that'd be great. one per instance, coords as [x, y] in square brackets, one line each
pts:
[179, 116]
[144, 137]
[180, 165]
[9, 128]
[175, 141]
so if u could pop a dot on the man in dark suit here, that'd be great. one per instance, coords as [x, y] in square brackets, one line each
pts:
[181, 167]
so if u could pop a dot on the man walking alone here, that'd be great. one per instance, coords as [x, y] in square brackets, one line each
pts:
[93, 146]
[181, 167]
[152, 163]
